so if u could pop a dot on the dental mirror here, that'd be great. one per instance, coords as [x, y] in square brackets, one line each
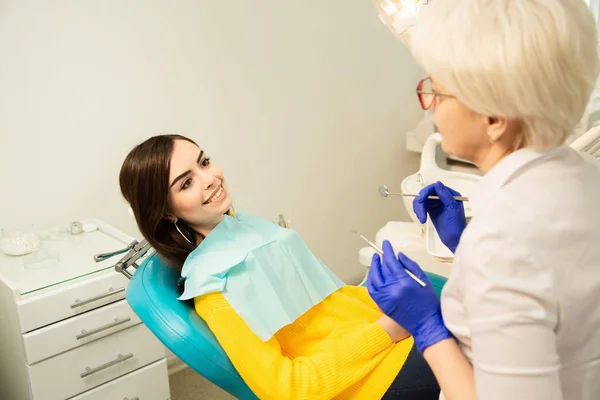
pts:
[384, 192]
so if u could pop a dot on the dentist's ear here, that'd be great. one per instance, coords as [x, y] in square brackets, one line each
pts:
[496, 128]
[503, 131]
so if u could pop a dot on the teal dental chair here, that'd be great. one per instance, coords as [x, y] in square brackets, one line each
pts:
[152, 294]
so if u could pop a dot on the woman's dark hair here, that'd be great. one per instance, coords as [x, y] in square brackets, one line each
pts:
[144, 181]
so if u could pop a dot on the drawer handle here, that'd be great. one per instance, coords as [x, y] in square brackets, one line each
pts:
[133, 398]
[120, 358]
[111, 291]
[117, 322]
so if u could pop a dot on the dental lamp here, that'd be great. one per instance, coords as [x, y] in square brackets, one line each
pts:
[399, 16]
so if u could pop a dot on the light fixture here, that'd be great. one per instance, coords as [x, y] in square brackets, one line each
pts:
[399, 16]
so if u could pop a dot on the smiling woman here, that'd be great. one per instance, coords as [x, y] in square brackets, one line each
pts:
[176, 193]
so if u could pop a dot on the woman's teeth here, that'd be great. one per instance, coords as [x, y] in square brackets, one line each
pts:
[215, 196]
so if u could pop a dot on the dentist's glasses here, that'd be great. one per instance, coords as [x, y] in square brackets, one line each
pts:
[427, 97]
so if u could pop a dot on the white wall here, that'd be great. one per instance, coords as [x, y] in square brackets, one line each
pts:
[304, 104]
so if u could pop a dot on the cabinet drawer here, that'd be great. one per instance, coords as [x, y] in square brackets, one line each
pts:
[94, 364]
[72, 299]
[77, 331]
[148, 383]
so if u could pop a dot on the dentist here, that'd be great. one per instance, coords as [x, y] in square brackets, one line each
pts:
[520, 314]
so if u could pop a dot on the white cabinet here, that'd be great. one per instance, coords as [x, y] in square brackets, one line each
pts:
[66, 331]
[149, 382]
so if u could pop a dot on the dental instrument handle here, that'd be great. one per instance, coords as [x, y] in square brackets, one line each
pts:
[380, 251]
[384, 192]
[105, 256]
[457, 198]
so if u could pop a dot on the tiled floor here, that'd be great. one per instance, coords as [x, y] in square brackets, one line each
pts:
[188, 385]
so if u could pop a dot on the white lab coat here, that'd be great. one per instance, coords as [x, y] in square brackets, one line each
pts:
[523, 297]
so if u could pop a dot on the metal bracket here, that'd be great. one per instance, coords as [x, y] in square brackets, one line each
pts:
[135, 251]
[282, 222]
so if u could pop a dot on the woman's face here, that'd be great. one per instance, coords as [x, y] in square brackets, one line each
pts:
[197, 191]
[463, 131]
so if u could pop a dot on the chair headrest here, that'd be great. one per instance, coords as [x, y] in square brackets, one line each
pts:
[589, 142]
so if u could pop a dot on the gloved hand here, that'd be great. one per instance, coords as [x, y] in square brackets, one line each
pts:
[412, 306]
[447, 214]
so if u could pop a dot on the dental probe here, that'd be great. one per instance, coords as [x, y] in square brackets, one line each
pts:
[377, 249]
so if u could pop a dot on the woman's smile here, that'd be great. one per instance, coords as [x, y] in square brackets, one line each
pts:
[217, 196]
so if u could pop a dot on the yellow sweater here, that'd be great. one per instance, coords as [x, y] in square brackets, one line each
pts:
[334, 351]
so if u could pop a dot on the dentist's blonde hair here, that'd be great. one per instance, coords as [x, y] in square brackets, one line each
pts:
[535, 61]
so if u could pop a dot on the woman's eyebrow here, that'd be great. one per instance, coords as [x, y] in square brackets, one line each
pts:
[180, 177]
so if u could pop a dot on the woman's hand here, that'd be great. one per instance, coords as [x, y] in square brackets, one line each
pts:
[412, 306]
[391, 327]
[447, 214]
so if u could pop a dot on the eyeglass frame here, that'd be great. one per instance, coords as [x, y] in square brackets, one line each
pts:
[421, 92]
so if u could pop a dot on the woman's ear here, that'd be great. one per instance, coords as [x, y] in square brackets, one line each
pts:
[171, 218]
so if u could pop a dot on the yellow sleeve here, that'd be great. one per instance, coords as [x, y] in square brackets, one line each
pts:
[348, 354]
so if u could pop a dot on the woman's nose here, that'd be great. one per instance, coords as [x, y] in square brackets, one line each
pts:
[208, 180]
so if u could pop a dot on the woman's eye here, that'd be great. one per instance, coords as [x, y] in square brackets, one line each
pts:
[205, 162]
[186, 184]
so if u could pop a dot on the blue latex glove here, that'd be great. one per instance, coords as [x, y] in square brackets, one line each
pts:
[412, 306]
[447, 214]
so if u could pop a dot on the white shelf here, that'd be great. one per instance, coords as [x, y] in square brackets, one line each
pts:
[75, 259]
